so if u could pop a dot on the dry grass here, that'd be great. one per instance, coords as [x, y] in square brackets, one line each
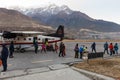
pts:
[108, 67]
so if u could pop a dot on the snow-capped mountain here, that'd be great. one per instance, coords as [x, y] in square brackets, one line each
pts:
[47, 10]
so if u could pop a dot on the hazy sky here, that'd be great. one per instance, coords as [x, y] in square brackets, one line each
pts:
[99, 9]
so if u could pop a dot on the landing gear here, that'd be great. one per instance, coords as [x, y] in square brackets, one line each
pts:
[22, 50]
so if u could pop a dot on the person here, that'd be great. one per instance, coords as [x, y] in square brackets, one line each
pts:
[43, 48]
[11, 49]
[81, 51]
[116, 48]
[60, 49]
[47, 47]
[0, 62]
[36, 46]
[63, 50]
[85, 49]
[111, 48]
[51, 47]
[76, 49]
[93, 46]
[56, 47]
[106, 47]
[4, 56]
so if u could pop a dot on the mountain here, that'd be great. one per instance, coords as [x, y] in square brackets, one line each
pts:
[14, 20]
[53, 15]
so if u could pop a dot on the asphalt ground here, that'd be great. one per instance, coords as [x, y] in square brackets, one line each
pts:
[23, 62]
[29, 59]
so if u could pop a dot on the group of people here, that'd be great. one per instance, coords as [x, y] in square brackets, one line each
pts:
[80, 50]
[49, 47]
[45, 46]
[113, 49]
[5, 52]
[62, 51]
[109, 48]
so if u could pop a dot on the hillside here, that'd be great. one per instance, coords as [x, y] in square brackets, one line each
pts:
[14, 20]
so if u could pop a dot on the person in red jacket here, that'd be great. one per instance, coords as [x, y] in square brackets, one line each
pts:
[111, 48]
[56, 47]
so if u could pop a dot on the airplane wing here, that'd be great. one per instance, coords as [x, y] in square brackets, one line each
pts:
[28, 32]
[13, 34]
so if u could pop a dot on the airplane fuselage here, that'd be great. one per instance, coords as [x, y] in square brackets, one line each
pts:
[29, 39]
[27, 42]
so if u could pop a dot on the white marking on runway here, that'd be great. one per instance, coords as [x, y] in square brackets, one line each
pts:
[41, 61]
[9, 64]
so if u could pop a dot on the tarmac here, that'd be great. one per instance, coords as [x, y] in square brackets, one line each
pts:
[52, 72]
[48, 66]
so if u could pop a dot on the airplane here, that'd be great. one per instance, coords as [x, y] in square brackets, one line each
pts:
[24, 39]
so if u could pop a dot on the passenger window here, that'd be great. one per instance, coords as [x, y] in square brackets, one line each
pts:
[24, 38]
[29, 38]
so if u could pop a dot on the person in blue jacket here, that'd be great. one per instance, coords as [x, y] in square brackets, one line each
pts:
[116, 48]
[81, 51]
[4, 56]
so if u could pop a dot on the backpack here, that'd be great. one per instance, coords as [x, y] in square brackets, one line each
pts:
[76, 49]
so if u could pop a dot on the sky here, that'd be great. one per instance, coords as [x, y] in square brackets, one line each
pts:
[108, 10]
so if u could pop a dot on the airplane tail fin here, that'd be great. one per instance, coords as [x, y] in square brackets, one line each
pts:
[59, 32]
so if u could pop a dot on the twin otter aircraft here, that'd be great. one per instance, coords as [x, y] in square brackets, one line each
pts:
[24, 39]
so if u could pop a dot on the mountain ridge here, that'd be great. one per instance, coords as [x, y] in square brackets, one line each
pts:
[54, 15]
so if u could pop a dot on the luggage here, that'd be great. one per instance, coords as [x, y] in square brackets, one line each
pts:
[113, 51]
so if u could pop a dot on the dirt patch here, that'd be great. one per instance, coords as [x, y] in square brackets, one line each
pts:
[108, 67]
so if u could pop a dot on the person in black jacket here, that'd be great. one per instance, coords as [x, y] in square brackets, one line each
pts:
[93, 46]
[11, 49]
[4, 56]
[106, 48]
[61, 49]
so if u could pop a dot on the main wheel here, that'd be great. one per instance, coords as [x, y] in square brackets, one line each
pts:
[22, 50]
